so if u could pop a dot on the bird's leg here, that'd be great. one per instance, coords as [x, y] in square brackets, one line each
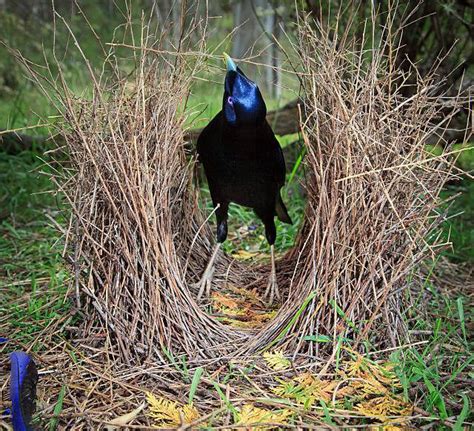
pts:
[267, 217]
[272, 287]
[206, 279]
[221, 214]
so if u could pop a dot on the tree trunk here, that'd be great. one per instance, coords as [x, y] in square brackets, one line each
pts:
[257, 24]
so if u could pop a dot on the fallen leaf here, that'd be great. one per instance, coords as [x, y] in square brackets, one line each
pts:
[277, 360]
[249, 416]
[168, 413]
[225, 301]
[244, 255]
[125, 419]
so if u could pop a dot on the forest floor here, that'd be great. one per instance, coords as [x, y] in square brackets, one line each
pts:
[434, 370]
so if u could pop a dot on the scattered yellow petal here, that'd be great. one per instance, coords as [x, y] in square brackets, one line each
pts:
[168, 413]
[277, 360]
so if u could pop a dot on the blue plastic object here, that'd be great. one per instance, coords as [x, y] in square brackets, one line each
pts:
[23, 380]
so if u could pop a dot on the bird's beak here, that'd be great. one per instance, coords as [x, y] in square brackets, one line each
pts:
[230, 63]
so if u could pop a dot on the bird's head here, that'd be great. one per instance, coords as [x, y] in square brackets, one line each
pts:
[243, 103]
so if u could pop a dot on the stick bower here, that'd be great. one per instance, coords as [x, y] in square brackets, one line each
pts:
[138, 241]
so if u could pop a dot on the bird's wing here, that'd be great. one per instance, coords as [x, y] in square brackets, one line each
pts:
[277, 157]
[208, 137]
[281, 168]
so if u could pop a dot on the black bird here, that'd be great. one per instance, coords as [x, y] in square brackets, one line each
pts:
[244, 164]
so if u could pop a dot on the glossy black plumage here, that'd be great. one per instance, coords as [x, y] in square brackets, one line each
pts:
[242, 158]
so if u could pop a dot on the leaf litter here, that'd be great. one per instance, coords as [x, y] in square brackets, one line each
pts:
[240, 307]
[358, 387]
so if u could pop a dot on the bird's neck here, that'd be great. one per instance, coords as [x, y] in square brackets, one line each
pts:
[246, 138]
[244, 128]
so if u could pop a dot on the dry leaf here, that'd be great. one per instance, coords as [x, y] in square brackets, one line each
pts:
[277, 360]
[244, 255]
[125, 419]
[250, 416]
[384, 407]
[249, 294]
[221, 301]
[170, 413]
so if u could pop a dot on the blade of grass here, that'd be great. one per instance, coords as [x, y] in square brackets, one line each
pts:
[458, 426]
[460, 307]
[296, 165]
[342, 315]
[327, 415]
[226, 401]
[318, 338]
[53, 422]
[287, 328]
[195, 382]
[436, 399]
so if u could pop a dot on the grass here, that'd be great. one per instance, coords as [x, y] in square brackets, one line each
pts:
[33, 281]
[459, 229]
[437, 371]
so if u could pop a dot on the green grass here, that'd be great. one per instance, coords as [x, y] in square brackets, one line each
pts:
[459, 227]
[436, 369]
[33, 281]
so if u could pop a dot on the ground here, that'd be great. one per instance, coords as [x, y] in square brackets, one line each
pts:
[434, 369]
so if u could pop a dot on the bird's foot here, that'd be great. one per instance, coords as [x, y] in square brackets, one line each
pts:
[205, 283]
[272, 291]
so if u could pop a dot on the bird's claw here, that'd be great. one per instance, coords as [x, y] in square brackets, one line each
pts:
[272, 291]
[205, 282]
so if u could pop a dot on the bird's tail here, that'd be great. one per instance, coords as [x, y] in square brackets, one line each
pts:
[281, 211]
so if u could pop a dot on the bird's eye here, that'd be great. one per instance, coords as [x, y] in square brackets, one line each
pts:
[230, 100]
